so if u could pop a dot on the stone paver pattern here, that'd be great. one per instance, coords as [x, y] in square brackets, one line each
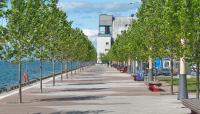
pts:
[97, 90]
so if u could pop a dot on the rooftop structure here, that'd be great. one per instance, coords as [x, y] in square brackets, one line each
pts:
[109, 28]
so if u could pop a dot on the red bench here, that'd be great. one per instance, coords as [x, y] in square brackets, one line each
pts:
[154, 86]
[124, 69]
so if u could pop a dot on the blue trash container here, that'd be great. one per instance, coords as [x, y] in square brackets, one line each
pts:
[140, 76]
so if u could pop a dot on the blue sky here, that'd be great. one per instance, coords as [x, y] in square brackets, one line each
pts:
[85, 13]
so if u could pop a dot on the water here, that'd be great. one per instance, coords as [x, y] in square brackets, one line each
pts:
[9, 72]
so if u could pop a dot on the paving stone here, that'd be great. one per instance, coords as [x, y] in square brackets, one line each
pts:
[97, 90]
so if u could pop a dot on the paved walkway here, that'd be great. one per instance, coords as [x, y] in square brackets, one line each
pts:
[98, 90]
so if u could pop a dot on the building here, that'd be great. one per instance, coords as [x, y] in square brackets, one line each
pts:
[121, 24]
[105, 35]
[109, 28]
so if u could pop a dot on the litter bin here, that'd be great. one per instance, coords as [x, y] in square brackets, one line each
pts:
[140, 76]
[134, 76]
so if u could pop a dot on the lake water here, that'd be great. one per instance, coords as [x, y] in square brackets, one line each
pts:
[9, 72]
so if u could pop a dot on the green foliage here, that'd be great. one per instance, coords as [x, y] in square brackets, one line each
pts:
[2, 5]
[38, 29]
[144, 38]
[2, 15]
[104, 58]
[191, 82]
[158, 30]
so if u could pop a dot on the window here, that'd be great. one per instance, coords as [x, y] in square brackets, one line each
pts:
[107, 43]
[105, 29]
[102, 30]
[166, 65]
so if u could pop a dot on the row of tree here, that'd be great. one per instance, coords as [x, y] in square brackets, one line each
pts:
[39, 30]
[163, 28]
[3, 5]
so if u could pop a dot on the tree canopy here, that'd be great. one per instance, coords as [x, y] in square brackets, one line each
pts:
[39, 30]
[158, 30]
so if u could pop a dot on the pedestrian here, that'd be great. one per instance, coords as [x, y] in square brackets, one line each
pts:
[25, 77]
[107, 64]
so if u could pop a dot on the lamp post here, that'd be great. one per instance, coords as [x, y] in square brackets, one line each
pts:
[183, 93]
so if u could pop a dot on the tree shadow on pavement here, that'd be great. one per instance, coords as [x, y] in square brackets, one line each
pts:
[82, 112]
[85, 89]
[87, 84]
[90, 74]
[72, 98]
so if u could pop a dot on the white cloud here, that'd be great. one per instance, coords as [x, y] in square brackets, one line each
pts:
[90, 32]
[90, 7]
[70, 6]
[92, 35]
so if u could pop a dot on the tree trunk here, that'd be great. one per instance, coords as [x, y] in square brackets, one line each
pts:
[41, 75]
[133, 67]
[155, 73]
[197, 76]
[136, 67]
[172, 78]
[71, 67]
[150, 73]
[129, 66]
[53, 72]
[146, 72]
[66, 70]
[20, 82]
[61, 77]
[75, 67]
[80, 67]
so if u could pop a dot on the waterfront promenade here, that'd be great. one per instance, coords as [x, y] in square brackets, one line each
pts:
[97, 90]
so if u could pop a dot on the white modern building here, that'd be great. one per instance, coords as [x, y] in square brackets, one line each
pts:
[109, 28]
[105, 35]
[121, 24]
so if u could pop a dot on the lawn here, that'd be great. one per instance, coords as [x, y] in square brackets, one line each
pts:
[191, 82]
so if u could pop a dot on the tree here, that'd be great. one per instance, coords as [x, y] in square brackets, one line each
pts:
[2, 5]
[39, 17]
[2, 15]
[192, 14]
[162, 29]
[18, 36]
[169, 31]
[29, 36]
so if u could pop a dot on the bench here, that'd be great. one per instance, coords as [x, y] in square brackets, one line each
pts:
[192, 104]
[124, 69]
[138, 77]
[154, 86]
[118, 67]
[134, 77]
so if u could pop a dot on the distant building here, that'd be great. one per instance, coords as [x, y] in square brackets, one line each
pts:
[105, 35]
[109, 28]
[121, 24]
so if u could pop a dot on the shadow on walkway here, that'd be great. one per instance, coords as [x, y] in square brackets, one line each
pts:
[87, 84]
[85, 89]
[73, 98]
[82, 112]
